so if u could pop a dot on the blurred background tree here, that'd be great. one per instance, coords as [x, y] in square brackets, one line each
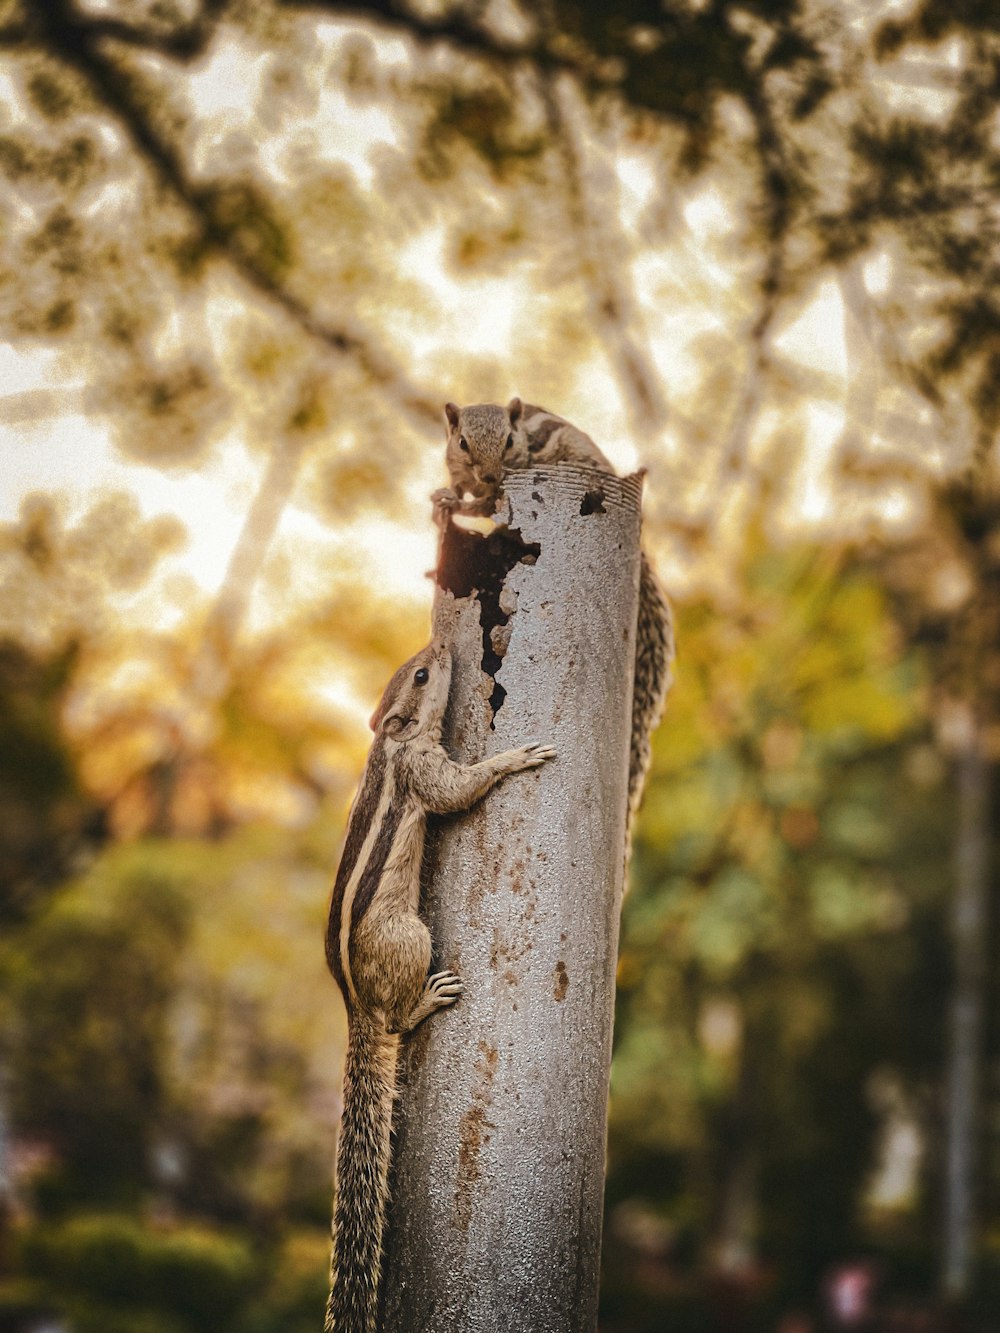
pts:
[248, 250]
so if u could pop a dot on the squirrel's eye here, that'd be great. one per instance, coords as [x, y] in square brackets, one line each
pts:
[421, 677]
[463, 444]
[510, 442]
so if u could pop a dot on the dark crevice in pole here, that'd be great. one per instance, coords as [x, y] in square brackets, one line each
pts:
[472, 564]
[593, 502]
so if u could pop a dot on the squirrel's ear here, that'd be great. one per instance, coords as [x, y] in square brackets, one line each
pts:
[451, 415]
[514, 409]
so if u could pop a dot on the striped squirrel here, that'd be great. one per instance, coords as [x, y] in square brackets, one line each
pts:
[486, 440]
[379, 950]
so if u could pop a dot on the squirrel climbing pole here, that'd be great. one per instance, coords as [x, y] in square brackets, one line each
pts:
[496, 1198]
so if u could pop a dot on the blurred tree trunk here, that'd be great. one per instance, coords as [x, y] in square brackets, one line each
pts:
[736, 1232]
[970, 677]
[969, 925]
[210, 671]
[6, 1173]
[499, 1162]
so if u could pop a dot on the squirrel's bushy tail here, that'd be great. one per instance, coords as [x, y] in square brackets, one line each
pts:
[362, 1177]
[654, 652]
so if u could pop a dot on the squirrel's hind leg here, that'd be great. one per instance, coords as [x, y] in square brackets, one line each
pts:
[398, 980]
[391, 964]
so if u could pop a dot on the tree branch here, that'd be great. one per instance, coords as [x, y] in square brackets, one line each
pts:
[182, 43]
[777, 204]
[612, 303]
[73, 42]
[871, 345]
[32, 405]
[473, 38]
[210, 668]
[776, 190]
[453, 28]
[15, 34]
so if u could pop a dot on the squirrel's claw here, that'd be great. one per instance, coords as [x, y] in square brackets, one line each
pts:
[445, 502]
[536, 753]
[444, 988]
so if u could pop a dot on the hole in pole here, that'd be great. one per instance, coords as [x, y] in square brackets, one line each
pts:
[470, 565]
[593, 501]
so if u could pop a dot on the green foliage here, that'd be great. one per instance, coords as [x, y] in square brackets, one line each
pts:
[221, 264]
[781, 947]
[295, 1296]
[92, 977]
[45, 814]
[111, 1267]
[168, 1001]
[768, 937]
[116, 1273]
[59, 581]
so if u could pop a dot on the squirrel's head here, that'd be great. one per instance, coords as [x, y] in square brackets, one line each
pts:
[414, 701]
[483, 441]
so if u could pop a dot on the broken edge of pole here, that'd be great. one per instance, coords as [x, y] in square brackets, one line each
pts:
[499, 1157]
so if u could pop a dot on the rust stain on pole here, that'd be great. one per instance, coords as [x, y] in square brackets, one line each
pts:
[498, 1179]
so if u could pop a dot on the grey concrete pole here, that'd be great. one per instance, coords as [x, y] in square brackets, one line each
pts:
[499, 1155]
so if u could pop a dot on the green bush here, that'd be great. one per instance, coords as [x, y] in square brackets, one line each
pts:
[199, 1277]
[295, 1295]
[86, 1317]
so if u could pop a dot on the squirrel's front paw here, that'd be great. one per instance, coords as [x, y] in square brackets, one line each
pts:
[534, 754]
[445, 502]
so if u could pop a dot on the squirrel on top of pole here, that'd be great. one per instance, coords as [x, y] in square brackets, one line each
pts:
[485, 441]
[496, 1187]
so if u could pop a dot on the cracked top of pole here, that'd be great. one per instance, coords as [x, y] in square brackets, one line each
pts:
[473, 563]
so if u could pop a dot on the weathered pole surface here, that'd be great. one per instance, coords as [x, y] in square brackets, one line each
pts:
[499, 1154]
